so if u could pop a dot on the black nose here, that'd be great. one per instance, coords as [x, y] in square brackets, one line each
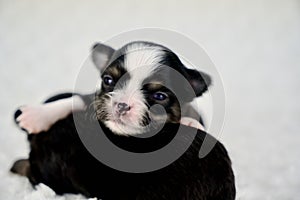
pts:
[123, 107]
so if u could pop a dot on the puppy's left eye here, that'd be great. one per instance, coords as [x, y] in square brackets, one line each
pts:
[160, 96]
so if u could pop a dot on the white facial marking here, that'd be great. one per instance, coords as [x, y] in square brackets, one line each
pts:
[140, 61]
[140, 54]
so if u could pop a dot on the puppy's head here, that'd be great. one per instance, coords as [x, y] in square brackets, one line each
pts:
[135, 79]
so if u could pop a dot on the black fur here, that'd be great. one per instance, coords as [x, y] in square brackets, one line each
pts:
[59, 159]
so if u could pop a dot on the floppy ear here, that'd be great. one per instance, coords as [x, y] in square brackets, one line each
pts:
[199, 81]
[101, 55]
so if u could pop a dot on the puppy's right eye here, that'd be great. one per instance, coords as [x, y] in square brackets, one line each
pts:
[108, 80]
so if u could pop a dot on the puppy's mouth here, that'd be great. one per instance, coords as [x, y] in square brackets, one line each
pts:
[117, 118]
[118, 121]
[130, 119]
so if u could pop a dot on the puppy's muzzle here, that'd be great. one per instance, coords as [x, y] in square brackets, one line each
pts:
[123, 108]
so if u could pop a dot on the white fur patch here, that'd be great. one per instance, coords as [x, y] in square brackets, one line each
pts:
[140, 61]
[140, 54]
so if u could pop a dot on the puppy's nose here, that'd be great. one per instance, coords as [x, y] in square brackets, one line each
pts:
[123, 107]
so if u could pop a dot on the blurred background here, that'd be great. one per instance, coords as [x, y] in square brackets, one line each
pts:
[255, 46]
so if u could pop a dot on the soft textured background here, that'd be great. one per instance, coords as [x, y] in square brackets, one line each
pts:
[254, 44]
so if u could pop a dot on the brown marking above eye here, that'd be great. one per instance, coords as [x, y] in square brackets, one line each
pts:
[114, 71]
[154, 86]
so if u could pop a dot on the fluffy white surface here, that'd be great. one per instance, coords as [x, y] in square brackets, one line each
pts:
[255, 45]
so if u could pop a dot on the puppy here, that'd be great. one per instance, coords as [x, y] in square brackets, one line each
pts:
[138, 80]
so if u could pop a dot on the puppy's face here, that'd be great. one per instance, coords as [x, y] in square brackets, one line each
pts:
[134, 92]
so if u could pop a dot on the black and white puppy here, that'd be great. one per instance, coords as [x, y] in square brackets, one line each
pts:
[135, 78]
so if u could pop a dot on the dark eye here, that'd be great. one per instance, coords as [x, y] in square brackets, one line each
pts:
[108, 80]
[160, 96]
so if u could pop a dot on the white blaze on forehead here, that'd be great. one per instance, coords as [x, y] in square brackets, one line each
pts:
[138, 54]
[141, 60]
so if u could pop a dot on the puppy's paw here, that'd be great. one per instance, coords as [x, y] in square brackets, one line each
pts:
[188, 121]
[35, 119]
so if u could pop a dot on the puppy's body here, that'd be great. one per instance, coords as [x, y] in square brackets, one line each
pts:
[59, 160]
[122, 108]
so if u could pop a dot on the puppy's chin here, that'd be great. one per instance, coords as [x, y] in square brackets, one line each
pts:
[120, 128]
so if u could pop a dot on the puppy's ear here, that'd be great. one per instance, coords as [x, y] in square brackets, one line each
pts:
[101, 55]
[199, 81]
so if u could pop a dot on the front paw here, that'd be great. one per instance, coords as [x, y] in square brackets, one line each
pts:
[188, 121]
[33, 119]
[16, 115]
